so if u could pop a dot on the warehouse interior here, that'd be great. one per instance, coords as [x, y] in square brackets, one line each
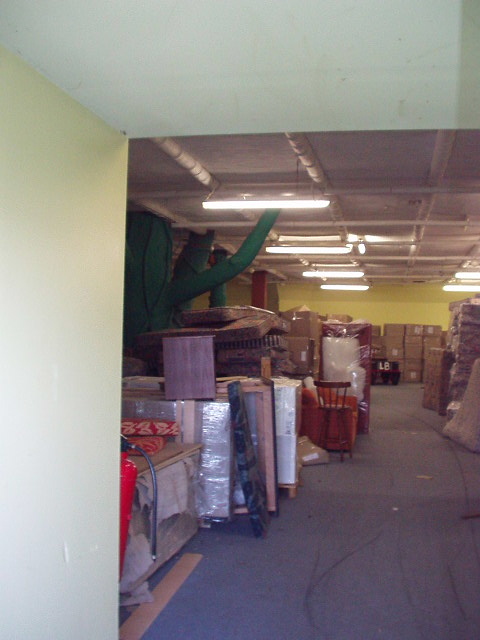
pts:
[76, 106]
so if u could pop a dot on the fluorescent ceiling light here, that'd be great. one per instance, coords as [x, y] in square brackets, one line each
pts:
[468, 275]
[310, 239]
[398, 239]
[336, 266]
[345, 287]
[310, 250]
[362, 248]
[461, 287]
[265, 204]
[333, 274]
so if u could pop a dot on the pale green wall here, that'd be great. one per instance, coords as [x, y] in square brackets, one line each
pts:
[63, 187]
[409, 304]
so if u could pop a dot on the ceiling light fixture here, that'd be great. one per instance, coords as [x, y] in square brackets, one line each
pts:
[335, 238]
[362, 248]
[345, 287]
[461, 287]
[333, 274]
[468, 275]
[308, 250]
[265, 204]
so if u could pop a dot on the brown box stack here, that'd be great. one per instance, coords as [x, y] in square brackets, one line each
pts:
[414, 329]
[393, 342]
[339, 317]
[432, 342]
[436, 379]
[407, 344]
[412, 370]
[304, 324]
[394, 330]
[302, 352]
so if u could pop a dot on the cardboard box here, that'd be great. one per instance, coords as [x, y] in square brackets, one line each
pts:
[394, 329]
[436, 380]
[303, 324]
[394, 353]
[413, 345]
[393, 341]
[413, 352]
[412, 375]
[379, 351]
[413, 369]
[432, 330]
[378, 347]
[432, 342]
[339, 317]
[414, 329]
[302, 353]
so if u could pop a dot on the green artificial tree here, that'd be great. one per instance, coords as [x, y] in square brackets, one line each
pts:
[156, 291]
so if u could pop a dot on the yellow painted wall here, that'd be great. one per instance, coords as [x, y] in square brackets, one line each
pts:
[409, 304]
[413, 304]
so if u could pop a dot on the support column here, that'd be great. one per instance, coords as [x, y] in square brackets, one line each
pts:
[259, 289]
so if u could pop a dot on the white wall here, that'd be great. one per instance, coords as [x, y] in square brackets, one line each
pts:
[62, 185]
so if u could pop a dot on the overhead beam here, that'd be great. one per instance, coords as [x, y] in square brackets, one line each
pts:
[233, 189]
[315, 224]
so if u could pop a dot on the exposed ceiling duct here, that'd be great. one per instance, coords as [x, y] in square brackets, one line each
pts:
[188, 162]
[412, 198]
[306, 155]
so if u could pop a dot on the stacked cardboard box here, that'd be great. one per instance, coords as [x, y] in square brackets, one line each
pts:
[303, 340]
[413, 350]
[393, 335]
[407, 344]
[437, 363]
[378, 347]
[339, 317]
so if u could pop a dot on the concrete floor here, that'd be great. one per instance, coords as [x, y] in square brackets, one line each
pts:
[375, 547]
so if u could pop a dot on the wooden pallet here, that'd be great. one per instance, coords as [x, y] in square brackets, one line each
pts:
[290, 489]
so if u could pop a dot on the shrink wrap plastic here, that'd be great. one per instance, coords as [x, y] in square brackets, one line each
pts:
[341, 358]
[346, 357]
[216, 470]
[287, 423]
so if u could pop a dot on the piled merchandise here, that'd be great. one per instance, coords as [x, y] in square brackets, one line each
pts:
[408, 344]
[464, 344]
[243, 357]
[464, 426]
[378, 347]
[436, 377]
[242, 336]
[303, 340]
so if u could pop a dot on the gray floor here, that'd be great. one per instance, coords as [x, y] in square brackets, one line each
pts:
[375, 547]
